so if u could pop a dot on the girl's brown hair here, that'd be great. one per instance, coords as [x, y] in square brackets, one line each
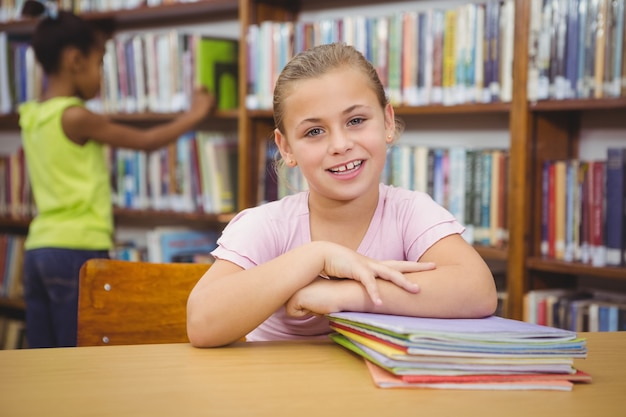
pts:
[316, 62]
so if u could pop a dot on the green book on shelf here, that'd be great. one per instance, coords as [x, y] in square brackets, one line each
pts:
[216, 68]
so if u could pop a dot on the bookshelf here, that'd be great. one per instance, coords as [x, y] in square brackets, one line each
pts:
[138, 20]
[537, 131]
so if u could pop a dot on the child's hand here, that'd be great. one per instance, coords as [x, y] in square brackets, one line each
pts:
[201, 103]
[342, 262]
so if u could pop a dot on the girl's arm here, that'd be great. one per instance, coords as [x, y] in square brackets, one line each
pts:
[461, 286]
[80, 125]
[229, 302]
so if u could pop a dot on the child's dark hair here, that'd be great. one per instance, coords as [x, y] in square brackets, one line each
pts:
[63, 29]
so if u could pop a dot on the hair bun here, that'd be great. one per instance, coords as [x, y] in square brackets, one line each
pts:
[41, 9]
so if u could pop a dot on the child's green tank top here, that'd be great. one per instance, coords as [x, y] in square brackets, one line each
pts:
[70, 183]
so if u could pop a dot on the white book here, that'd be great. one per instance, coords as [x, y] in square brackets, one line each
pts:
[139, 57]
[151, 71]
[456, 183]
[420, 168]
[5, 98]
[111, 98]
[506, 50]
[479, 65]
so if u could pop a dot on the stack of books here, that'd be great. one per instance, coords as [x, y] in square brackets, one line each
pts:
[490, 353]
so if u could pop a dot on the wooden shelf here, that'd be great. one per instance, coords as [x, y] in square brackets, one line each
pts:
[14, 225]
[573, 268]
[137, 218]
[582, 104]
[200, 11]
[10, 122]
[12, 304]
[153, 218]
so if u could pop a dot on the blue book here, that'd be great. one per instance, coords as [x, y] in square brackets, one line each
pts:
[571, 49]
[485, 201]
[168, 245]
[582, 25]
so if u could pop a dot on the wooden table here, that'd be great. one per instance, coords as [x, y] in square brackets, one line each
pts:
[279, 378]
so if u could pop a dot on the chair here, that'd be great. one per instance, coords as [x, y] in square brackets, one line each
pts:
[123, 302]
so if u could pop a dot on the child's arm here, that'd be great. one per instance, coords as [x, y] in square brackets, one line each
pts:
[228, 302]
[80, 125]
[461, 286]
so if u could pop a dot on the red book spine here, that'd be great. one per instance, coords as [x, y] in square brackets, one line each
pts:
[598, 248]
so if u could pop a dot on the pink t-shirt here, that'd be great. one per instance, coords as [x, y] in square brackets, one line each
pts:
[405, 224]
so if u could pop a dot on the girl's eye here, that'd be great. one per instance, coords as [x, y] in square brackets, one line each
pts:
[314, 132]
[356, 121]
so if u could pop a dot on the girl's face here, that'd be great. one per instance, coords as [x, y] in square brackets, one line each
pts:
[337, 133]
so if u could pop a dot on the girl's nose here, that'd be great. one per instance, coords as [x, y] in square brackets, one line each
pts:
[340, 142]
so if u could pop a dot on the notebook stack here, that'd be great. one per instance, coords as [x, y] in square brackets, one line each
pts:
[491, 353]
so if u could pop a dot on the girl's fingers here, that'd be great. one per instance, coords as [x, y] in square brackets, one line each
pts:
[397, 277]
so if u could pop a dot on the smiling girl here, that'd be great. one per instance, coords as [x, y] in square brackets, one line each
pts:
[348, 243]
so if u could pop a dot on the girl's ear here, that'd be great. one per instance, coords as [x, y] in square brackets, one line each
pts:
[283, 146]
[72, 59]
[390, 123]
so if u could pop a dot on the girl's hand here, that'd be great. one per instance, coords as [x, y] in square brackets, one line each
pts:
[315, 298]
[201, 103]
[341, 262]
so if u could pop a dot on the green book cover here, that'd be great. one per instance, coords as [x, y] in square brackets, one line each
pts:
[216, 68]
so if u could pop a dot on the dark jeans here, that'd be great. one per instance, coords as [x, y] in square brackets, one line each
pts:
[51, 294]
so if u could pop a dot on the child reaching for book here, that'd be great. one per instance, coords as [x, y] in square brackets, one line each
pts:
[349, 243]
[65, 157]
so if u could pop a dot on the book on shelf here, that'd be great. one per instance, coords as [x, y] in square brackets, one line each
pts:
[578, 310]
[469, 352]
[157, 71]
[616, 206]
[582, 217]
[216, 68]
[197, 173]
[442, 58]
[576, 49]
[11, 266]
[178, 244]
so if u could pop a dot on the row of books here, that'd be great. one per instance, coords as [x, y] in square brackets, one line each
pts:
[577, 310]
[453, 55]
[170, 245]
[576, 49]
[11, 266]
[470, 183]
[16, 199]
[583, 216]
[491, 353]
[197, 174]
[21, 78]
[147, 72]
[157, 71]
[11, 9]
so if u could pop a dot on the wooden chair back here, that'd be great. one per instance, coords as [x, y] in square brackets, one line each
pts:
[123, 302]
